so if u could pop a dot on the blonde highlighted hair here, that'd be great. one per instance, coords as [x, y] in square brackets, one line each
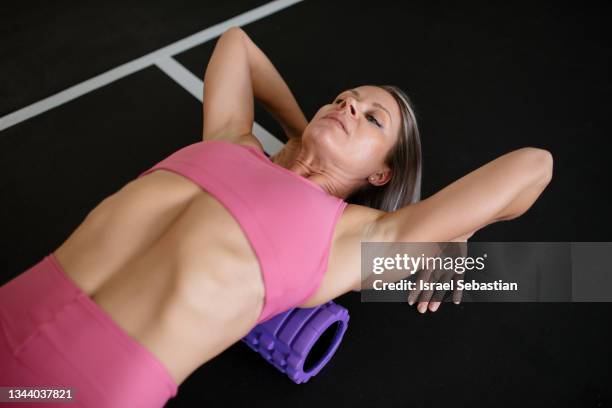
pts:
[405, 161]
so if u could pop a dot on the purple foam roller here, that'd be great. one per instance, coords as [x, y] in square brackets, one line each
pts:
[299, 342]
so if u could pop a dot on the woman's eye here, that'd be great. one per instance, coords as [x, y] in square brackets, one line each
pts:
[375, 121]
[367, 116]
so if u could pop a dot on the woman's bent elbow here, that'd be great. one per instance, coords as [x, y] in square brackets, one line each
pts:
[546, 165]
[540, 163]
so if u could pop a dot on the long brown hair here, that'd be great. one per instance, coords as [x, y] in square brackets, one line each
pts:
[405, 160]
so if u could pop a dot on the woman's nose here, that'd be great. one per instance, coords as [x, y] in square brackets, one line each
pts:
[349, 105]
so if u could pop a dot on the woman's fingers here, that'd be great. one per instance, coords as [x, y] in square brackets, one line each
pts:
[432, 299]
[422, 307]
[424, 299]
[457, 293]
[424, 275]
[438, 297]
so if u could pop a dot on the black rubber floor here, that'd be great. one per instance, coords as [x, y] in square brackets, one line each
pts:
[485, 79]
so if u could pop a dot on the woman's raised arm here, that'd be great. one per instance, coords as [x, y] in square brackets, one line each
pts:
[271, 90]
[237, 73]
[500, 190]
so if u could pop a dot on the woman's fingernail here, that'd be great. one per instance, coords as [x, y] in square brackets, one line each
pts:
[422, 307]
[434, 306]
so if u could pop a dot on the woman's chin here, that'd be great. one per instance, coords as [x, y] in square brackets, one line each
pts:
[323, 134]
[323, 139]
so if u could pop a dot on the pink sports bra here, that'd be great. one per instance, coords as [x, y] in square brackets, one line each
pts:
[288, 219]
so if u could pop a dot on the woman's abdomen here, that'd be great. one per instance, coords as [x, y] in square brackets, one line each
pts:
[172, 268]
[123, 226]
[193, 293]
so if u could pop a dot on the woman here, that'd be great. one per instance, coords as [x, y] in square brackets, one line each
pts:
[184, 260]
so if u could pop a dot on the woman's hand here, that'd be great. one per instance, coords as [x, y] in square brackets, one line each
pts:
[437, 279]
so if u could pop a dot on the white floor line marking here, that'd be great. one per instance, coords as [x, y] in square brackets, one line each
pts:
[182, 76]
[128, 68]
[195, 86]
[270, 143]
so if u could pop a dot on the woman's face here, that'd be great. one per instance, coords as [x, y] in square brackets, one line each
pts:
[356, 149]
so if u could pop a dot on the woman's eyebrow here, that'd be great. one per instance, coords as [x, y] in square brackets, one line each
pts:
[354, 92]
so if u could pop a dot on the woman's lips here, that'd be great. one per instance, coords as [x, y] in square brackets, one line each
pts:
[337, 123]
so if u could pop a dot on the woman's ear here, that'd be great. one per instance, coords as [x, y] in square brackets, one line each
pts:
[380, 178]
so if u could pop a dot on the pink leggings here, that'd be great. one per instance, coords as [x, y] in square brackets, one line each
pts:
[52, 334]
